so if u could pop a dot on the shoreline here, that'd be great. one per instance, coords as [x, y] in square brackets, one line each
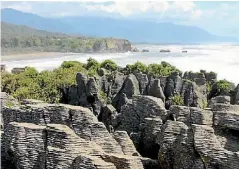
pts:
[34, 55]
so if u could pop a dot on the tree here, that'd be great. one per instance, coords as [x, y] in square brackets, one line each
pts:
[138, 67]
[109, 65]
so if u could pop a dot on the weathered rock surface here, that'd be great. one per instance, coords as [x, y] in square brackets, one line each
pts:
[138, 118]
[41, 135]
[235, 98]
[156, 90]
[200, 138]
[112, 45]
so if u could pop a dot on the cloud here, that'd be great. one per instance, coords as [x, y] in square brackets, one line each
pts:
[216, 17]
[21, 6]
[129, 8]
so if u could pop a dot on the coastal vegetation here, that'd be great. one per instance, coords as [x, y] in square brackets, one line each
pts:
[47, 85]
[17, 39]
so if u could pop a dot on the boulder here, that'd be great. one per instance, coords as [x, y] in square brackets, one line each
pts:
[134, 49]
[145, 50]
[220, 99]
[164, 50]
[18, 70]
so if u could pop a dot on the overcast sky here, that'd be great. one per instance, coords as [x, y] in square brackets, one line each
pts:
[220, 17]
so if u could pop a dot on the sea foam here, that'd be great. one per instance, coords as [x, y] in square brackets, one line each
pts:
[222, 59]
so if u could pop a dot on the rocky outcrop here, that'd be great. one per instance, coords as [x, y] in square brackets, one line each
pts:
[164, 50]
[156, 90]
[143, 134]
[111, 45]
[134, 49]
[43, 135]
[145, 50]
[17, 70]
[235, 97]
[7, 100]
[200, 138]
[137, 118]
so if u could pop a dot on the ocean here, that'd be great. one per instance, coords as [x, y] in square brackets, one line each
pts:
[222, 59]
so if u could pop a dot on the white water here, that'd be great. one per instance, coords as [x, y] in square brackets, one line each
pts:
[222, 59]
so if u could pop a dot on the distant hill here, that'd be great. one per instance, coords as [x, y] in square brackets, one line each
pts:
[133, 30]
[17, 39]
[11, 30]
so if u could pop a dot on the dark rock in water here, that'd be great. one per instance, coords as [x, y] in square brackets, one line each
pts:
[135, 49]
[145, 50]
[17, 70]
[164, 50]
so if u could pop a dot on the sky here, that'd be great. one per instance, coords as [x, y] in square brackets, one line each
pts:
[217, 17]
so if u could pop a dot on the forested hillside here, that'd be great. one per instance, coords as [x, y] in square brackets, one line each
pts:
[22, 39]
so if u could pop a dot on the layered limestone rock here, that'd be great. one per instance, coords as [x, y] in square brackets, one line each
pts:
[40, 135]
[235, 97]
[139, 119]
[200, 138]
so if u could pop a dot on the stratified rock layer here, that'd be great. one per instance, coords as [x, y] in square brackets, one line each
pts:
[41, 135]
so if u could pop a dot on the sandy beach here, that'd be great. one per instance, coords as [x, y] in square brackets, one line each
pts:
[36, 55]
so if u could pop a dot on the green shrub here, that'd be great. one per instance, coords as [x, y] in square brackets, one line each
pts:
[224, 85]
[137, 67]
[204, 104]
[92, 64]
[209, 87]
[69, 64]
[45, 85]
[163, 69]
[177, 100]
[109, 65]
[9, 104]
[103, 97]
